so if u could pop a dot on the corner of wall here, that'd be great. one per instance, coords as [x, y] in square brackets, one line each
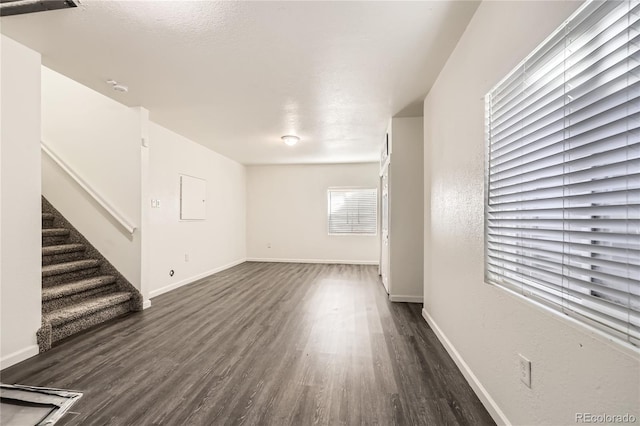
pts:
[20, 216]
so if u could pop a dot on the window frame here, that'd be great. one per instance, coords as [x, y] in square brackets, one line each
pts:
[350, 189]
[595, 328]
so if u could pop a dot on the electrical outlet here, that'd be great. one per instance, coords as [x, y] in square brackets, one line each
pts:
[525, 370]
[268, 245]
[186, 257]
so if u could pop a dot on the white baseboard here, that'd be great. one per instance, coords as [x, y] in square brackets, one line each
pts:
[406, 299]
[489, 403]
[18, 356]
[146, 304]
[189, 280]
[325, 261]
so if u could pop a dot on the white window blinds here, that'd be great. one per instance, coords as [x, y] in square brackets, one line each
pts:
[563, 184]
[353, 211]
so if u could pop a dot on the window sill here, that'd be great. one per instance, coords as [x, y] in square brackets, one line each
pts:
[601, 336]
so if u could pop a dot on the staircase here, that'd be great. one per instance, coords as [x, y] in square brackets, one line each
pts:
[80, 288]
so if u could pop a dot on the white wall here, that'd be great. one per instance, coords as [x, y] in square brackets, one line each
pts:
[573, 370]
[100, 139]
[287, 209]
[406, 210]
[20, 212]
[212, 244]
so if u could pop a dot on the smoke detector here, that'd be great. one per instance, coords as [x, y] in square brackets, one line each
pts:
[117, 86]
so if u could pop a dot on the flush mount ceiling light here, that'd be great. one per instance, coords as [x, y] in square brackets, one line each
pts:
[290, 140]
[117, 86]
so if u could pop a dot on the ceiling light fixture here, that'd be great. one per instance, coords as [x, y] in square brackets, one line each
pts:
[290, 140]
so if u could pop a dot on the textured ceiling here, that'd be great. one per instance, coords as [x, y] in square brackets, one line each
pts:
[236, 76]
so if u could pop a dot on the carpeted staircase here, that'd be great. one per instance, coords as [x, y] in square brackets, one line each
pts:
[80, 288]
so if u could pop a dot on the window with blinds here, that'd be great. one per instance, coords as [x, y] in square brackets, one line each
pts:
[353, 211]
[563, 171]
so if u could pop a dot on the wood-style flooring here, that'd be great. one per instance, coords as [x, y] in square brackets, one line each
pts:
[262, 344]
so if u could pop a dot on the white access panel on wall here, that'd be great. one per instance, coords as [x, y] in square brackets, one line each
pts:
[193, 195]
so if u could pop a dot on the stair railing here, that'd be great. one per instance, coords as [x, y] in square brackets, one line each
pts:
[119, 217]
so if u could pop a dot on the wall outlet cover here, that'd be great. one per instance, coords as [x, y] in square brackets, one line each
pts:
[524, 370]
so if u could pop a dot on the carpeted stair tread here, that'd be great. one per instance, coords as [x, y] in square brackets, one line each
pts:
[63, 268]
[75, 287]
[62, 248]
[54, 232]
[85, 308]
[48, 216]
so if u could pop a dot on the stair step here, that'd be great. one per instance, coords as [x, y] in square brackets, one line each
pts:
[47, 220]
[53, 236]
[75, 287]
[85, 308]
[55, 232]
[63, 268]
[62, 253]
[62, 249]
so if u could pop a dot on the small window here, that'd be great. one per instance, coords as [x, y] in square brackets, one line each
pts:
[563, 172]
[353, 211]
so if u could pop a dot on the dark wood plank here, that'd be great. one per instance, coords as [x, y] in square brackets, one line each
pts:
[262, 344]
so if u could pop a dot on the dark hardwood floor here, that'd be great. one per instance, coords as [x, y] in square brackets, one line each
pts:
[262, 344]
